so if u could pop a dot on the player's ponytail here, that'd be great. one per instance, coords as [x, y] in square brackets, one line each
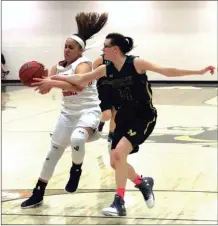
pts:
[124, 43]
[88, 24]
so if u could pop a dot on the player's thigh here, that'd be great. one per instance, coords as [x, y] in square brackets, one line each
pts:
[63, 130]
[90, 119]
[138, 132]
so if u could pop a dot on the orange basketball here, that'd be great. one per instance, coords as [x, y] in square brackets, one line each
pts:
[30, 70]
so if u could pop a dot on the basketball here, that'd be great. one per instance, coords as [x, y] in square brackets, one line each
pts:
[30, 70]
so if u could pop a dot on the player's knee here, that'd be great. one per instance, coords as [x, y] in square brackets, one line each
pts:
[78, 140]
[106, 115]
[117, 155]
[55, 153]
[59, 141]
[77, 143]
[113, 165]
[112, 162]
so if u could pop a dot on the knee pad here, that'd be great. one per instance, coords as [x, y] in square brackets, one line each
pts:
[78, 140]
[51, 161]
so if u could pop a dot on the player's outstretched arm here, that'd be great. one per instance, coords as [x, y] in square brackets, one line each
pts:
[142, 66]
[82, 79]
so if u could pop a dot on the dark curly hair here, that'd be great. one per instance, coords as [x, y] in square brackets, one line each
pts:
[89, 24]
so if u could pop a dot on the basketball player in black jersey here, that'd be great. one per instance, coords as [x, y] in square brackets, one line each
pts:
[136, 117]
[106, 105]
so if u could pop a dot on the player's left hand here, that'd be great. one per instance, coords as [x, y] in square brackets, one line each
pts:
[211, 69]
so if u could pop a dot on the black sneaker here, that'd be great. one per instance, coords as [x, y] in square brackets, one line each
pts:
[146, 188]
[34, 201]
[100, 126]
[117, 208]
[73, 181]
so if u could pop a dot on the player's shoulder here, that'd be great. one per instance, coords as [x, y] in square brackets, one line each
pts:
[83, 59]
[60, 65]
[98, 61]
[132, 58]
[54, 66]
[105, 61]
[136, 60]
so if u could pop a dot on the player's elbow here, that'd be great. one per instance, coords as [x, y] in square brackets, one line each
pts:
[169, 72]
[166, 74]
[79, 88]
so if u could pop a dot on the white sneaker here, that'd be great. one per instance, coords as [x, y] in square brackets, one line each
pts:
[146, 188]
[117, 208]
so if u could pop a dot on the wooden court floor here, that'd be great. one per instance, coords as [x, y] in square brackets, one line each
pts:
[181, 155]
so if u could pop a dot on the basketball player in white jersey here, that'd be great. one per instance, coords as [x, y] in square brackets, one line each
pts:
[80, 112]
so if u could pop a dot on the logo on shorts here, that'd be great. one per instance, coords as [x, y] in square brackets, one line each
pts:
[76, 148]
[131, 133]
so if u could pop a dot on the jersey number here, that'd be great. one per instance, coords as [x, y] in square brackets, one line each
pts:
[125, 93]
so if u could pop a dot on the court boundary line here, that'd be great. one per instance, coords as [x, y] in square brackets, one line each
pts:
[83, 191]
[103, 217]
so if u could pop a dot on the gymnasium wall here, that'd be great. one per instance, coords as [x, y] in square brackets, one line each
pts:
[179, 34]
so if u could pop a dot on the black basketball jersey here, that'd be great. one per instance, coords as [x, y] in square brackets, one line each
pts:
[128, 87]
[105, 61]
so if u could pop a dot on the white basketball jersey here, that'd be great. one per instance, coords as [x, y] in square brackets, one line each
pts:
[72, 102]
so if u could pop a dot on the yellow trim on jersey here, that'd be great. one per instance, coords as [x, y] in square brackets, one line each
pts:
[147, 89]
[150, 95]
[149, 124]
